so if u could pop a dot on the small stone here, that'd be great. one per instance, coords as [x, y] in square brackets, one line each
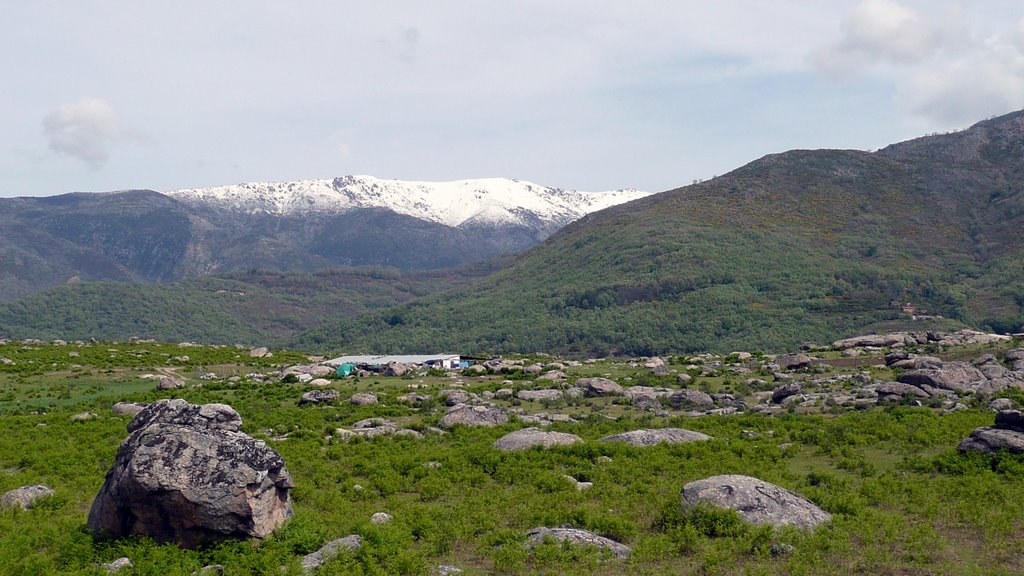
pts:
[381, 518]
[118, 565]
[25, 496]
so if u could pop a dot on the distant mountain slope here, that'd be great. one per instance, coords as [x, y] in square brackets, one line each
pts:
[803, 245]
[256, 307]
[141, 235]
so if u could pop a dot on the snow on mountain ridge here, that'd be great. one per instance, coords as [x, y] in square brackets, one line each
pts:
[484, 201]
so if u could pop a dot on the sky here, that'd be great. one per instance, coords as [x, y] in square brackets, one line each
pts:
[591, 95]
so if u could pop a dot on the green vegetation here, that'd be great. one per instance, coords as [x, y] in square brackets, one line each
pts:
[254, 307]
[904, 501]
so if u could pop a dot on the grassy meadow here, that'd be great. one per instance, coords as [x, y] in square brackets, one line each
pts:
[903, 500]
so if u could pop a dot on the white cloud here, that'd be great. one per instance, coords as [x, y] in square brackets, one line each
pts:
[85, 130]
[883, 31]
[987, 80]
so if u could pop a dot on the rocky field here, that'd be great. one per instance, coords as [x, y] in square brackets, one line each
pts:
[892, 453]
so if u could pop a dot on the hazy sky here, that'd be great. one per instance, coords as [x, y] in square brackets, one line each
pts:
[592, 95]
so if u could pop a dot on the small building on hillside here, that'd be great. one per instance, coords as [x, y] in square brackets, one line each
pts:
[375, 362]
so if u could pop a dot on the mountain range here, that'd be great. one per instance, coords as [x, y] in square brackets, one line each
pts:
[805, 245]
[305, 226]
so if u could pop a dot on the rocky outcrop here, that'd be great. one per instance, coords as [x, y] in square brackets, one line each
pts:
[25, 496]
[785, 391]
[687, 398]
[468, 415]
[598, 387]
[187, 474]
[956, 376]
[128, 408]
[755, 500]
[539, 395]
[653, 436]
[529, 437]
[577, 537]
[363, 398]
[1007, 434]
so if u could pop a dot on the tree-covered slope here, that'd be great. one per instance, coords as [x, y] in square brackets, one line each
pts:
[804, 245]
[256, 307]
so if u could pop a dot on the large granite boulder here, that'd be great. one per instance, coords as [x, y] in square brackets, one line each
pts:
[755, 500]
[470, 415]
[529, 437]
[1008, 434]
[653, 436]
[599, 387]
[187, 474]
[793, 361]
[957, 376]
[687, 398]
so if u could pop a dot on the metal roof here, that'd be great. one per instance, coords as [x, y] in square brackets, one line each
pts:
[383, 360]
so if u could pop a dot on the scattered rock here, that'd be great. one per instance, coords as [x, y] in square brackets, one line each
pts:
[317, 397]
[128, 408]
[261, 352]
[453, 397]
[577, 537]
[310, 562]
[529, 437]
[319, 382]
[539, 395]
[580, 486]
[168, 383]
[793, 361]
[653, 436]
[598, 387]
[25, 496]
[473, 416]
[83, 416]
[381, 518]
[445, 570]
[899, 389]
[690, 398]
[187, 474]
[1000, 404]
[363, 399]
[755, 500]
[785, 391]
[118, 565]
[552, 375]
[396, 369]
[990, 440]
[957, 376]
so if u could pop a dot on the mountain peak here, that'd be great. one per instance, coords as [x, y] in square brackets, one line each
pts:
[495, 201]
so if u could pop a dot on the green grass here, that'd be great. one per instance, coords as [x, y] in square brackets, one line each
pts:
[903, 500]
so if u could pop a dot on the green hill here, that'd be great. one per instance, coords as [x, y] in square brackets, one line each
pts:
[265, 307]
[804, 245]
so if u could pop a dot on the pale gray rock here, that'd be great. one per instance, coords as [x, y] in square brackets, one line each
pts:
[529, 437]
[552, 375]
[25, 496]
[793, 361]
[319, 382]
[539, 395]
[83, 416]
[687, 398]
[310, 562]
[168, 383]
[381, 518]
[259, 352]
[957, 376]
[317, 397]
[121, 563]
[453, 397]
[647, 391]
[990, 440]
[187, 474]
[533, 369]
[1000, 404]
[871, 341]
[128, 408]
[899, 389]
[468, 415]
[363, 399]
[599, 387]
[654, 436]
[397, 369]
[755, 500]
[577, 537]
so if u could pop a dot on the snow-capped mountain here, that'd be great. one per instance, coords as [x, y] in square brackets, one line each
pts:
[485, 201]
